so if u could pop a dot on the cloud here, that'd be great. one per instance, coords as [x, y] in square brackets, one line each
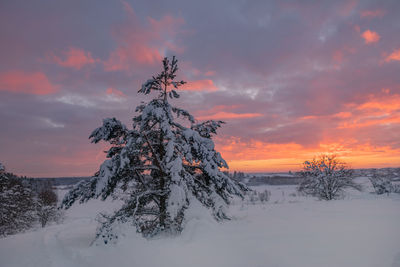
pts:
[222, 112]
[372, 13]
[222, 115]
[378, 110]
[370, 37]
[35, 83]
[342, 115]
[114, 95]
[258, 156]
[73, 58]
[115, 92]
[387, 103]
[210, 73]
[284, 95]
[76, 100]
[50, 123]
[394, 56]
[142, 44]
[200, 85]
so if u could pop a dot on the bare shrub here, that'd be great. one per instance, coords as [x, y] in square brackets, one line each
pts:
[326, 177]
[255, 197]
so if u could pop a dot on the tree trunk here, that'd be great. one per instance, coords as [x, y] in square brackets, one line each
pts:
[163, 204]
[163, 197]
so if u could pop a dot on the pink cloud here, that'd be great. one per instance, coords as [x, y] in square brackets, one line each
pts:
[370, 37]
[394, 56]
[342, 115]
[348, 7]
[35, 83]
[115, 92]
[372, 13]
[142, 44]
[339, 55]
[209, 73]
[222, 115]
[73, 58]
[200, 85]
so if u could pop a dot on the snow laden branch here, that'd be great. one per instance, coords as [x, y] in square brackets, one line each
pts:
[159, 166]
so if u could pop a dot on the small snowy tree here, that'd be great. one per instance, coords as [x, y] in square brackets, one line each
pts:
[383, 181]
[326, 178]
[162, 164]
[17, 205]
[46, 204]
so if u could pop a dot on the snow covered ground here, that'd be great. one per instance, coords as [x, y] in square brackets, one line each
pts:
[289, 230]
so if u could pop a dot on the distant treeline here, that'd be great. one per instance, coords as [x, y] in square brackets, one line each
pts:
[249, 179]
[60, 181]
[274, 180]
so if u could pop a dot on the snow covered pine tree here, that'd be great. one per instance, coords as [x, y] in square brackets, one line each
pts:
[17, 204]
[163, 164]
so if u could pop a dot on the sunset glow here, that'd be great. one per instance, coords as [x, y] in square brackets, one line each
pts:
[291, 81]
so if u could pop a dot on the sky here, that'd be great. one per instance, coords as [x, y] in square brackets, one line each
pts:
[291, 79]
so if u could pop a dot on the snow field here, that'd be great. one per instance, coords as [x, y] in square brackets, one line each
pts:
[289, 230]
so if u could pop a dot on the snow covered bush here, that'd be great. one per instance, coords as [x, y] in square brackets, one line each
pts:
[46, 205]
[254, 197]
[17, 205]
[264, 196]
[165, 161]
[326, 178]
[382, 181]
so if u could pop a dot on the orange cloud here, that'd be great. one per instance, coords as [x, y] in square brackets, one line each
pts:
[384, 120]
[377, 110]
[142, 44]
[115, 92]
[386, 103]
[258, 156]
[372, 13]
[229, 115]
[222, 112]
[73, 58]
[200, 85]
[370, 37]
[35, 83]
[394, 56]
[342, 115]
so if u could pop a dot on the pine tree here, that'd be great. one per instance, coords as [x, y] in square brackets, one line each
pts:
[162, 164]
[17, 204]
